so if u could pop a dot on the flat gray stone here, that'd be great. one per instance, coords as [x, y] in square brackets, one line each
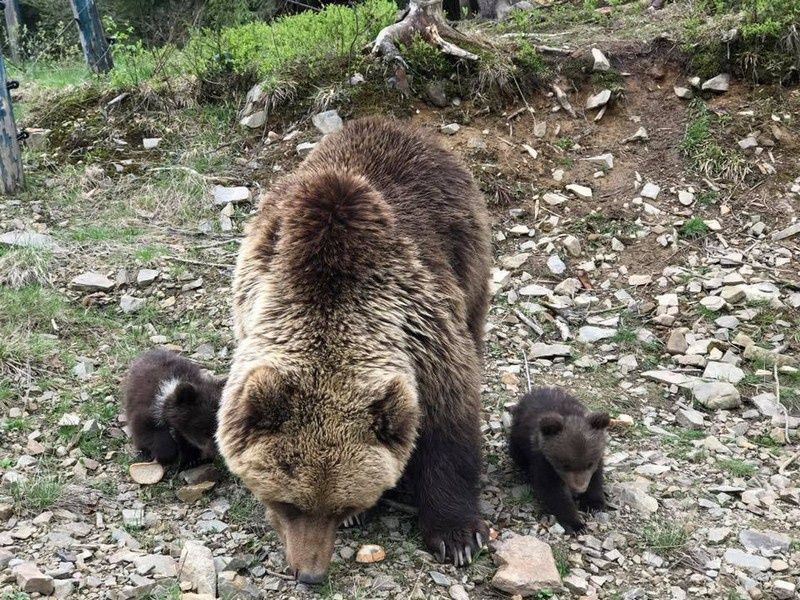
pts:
[31, 580]
[196, 566]
[598, 100]
[720, 83]
[722, 371]
[742, 560]
[92, 282]
[525, 566]
[589, 334]
[717, 395]
[767, 543]
[233, 195]
[30, 239]
[327, 122]
[790, 231]
[539, 350]
[600, 61]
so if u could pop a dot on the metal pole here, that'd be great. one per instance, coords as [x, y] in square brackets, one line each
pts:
[93, 40]
[13, 23]
[10, 160]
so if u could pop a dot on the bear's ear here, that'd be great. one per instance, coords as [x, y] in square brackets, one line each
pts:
[551, 423]
[395, 415]
[185, 394]
[265, 402]
[598, 420]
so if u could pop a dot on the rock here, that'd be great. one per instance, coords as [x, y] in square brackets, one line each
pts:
[589, 334]
[686, 198]
[556, 265]
[742, 560]
[435, 93]
[682, 92]
[600, 61]
[607, 160]
[192, 493]
[747, 143]
[146, 276]
[130, 304]
[727, 322]
[6, 510]
[327, 122]
[457, 592]
[440, 579]
[31, 580]
[784, 590]
[540, 350]
[598, 100]
[732, 294]
[197, 567]
[552, 199]
[370, 553]
[635, 496]
[535, 290]
[714, 303]
[92, 282]
[720, 83]
[233, 195]
[640, 135]
[790, 231]
[304, 148]
[690, 418]
[717, 395]
[677, 344]
[650, 191]
[526, 566]
[572, 245]
[133, 518]
[158, 565]
[201, 473]
[151, 143]
[30, 239]
[540, 129]
[146, 473]
[515, 261]
[640, 280]
[723, 372]
[237, 587]
[255, 120]
[767, 543]
[580, 190]
[450, 129]
[767, 404]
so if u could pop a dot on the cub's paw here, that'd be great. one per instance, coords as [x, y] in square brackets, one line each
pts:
[592, 504]
[457, 545]
[573, 527]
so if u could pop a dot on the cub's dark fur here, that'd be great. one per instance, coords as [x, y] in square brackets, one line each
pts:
[559, 445]
[172, 407]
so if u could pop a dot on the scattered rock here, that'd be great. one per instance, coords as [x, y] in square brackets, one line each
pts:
[151, 143]
[305, 148]
[370, 553]
[580, 190]
[723, 372]
[572, 245]
[526, 566]
[636, 496]
[146, 473]
[30, 239]
[255, 120]
[197, 567]
[767, 543]
[130, 304]
[589, 334]
[717, 395]
[539, 350]
[31, 580]
[450, 129]
[650, 190]
[327, 122]
[598, 100]
[742, 560]
[682, 92]
[677, 344]
[234, 195]
[720, 83]
[600, 61]
[556, 265]
[92, 282]
[146, 276]
[783, 234]
[690, 418]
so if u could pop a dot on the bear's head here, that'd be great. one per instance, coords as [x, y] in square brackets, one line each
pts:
[574, 445]
[191, 409]
[316, 448]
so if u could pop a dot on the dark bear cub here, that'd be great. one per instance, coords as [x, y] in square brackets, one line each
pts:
[172, 408]
[559, 445]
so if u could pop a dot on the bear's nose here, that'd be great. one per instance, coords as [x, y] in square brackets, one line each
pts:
[310, 577]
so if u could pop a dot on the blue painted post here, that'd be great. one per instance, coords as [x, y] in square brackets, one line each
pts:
[10, 160]
[93, 39]
[13, 23]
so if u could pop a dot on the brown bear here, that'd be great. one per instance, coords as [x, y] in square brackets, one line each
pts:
[171, 405]
[360, 297]
[559, 445]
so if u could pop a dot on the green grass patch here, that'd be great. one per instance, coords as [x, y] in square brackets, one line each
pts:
[737, 467]
[37, 494]
[694, 228]
[104, 233]
[665, 537]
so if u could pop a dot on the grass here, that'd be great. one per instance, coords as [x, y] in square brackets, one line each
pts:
[704, 152]
[737, 467]
[20, 267]
[665, 537]
[36, 495]
[561, 556]
[102, 233]
[16, 424]
[694, 228]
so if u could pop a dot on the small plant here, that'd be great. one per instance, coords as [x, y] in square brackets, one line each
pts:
[694, 228]
[665, 537]
[37, 494]
[736, 467]
[565, 143]
[16, 424]
[561, 556]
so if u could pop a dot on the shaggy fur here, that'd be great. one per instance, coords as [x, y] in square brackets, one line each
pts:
[172, 408]
[560, 445]
[360, 297]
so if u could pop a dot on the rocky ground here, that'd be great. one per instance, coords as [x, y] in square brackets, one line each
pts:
[647, 253]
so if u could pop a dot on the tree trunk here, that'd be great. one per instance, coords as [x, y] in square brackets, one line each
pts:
[425, 18]
[10, 161]
[13, 23]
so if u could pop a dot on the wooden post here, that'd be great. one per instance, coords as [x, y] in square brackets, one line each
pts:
[13, 23]
[10, 161]
[93, 40]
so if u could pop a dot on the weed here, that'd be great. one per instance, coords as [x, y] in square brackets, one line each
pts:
[102, 233]
[665, 537]
[20, 267]
[707, 198]
[737, 467]
[561, 556]
[694, 228]
[16, 424]
[625, 337]
[37, 494]
[565, 143]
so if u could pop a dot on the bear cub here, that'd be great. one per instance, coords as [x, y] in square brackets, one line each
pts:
[559, 445]
[172, 408]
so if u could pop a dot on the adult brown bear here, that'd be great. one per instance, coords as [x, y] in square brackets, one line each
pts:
[360, 296]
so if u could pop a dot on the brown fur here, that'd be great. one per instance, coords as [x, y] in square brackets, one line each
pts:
[360, 297]
[560, 445]
[171, 407]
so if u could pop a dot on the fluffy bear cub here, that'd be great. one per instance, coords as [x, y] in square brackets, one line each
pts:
[171, 406]
[559, 445]
[359, 304]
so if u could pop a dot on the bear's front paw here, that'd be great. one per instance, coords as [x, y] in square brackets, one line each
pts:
[457, 544]
[576, 526]
[592, 503]
[356, 519]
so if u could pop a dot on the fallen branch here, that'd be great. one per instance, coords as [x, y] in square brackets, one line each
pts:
[202, 263]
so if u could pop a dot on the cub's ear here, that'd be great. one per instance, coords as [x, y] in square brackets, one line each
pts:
[185, 394]
[395, 414]
[598, 420]
[551, 424]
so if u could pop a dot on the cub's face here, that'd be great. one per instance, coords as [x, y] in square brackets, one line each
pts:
[192, 410]
[315, 451]
[574, 446]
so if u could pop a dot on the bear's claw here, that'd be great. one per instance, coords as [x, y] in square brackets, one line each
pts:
[458, 545]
